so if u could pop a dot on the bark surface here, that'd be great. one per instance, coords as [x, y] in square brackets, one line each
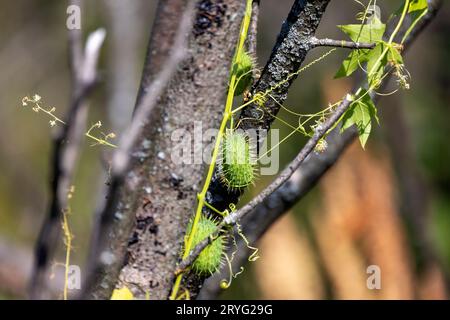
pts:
[158, 195]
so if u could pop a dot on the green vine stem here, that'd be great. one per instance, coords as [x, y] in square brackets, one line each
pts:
[344, 105]
[227, 115]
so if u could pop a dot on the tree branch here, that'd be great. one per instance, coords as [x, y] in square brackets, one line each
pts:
[255, 224]
[253, 29]
[162, 38]
[282, 178]
[289, 52]
[83, 67]
[100, 268]
[340, 44]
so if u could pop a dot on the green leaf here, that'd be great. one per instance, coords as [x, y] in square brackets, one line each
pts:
[375, 63]
[395, 56]
[367, 100]
[371, 32]
[368, 33]
[351, 64]
[417, 10]
[417, 5]
[360, 114]
[414, 5]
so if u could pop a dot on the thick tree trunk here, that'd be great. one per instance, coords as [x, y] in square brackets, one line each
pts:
[158, 195]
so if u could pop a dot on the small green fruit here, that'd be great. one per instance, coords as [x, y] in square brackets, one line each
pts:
[244, 74]
[209, 259]
[237, 163]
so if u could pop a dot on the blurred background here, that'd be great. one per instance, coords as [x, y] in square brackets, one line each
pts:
[388, 205]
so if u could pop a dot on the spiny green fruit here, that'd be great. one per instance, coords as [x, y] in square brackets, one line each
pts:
[237, 163]
[244, 74]
[209, 259]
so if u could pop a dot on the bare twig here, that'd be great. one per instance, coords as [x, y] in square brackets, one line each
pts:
[315, 42]
[253, 29]
[289, 52]
[67, 143]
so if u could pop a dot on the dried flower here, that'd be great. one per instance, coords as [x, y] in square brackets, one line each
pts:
[321, 146]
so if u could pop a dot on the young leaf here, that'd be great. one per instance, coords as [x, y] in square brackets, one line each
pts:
[417, 9]
[368, 33]
[371, 32]
[351, 63]
[360, 114]
[417, 5]
[414, 5]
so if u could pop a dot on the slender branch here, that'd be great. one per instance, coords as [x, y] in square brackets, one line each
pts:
[315, 42]
[83, 67]
[126, 20]
[288, 54]
[253, 29]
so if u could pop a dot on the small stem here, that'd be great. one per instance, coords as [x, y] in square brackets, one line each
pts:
[400, 22]
[68, 238]
[223, 214]
[100, 141]
[314, 42]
